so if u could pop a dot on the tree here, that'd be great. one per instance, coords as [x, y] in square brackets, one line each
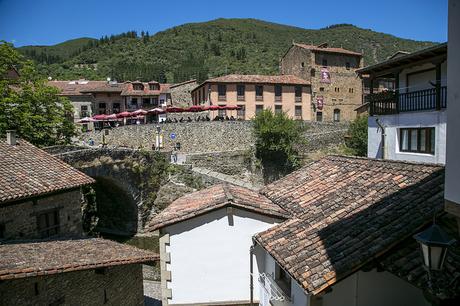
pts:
[276, 139]
[29, 106]
[357, 136]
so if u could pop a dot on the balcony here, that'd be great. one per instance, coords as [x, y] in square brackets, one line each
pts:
[240, 98]
[387, 103]
[271, 290]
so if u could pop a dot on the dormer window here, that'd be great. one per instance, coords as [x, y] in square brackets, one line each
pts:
[138, 86]
[154, 86]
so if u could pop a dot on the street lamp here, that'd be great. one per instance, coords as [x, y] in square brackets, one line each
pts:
[434, 243]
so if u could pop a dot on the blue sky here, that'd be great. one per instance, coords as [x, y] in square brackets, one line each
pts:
[46, 22]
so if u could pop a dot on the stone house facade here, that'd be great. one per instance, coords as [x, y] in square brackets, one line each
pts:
[253, 93]
[336, 89]
[58, 214]
[181, 93]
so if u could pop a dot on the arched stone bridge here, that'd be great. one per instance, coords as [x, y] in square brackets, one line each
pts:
[117, 183]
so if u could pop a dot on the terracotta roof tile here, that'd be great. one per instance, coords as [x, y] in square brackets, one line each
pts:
[79, 87]
[347, 211]
[29, 259]
[128, 90]
[212, 198]
[27, 171]
[327, 49]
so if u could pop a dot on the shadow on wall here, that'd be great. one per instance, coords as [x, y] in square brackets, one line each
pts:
[352, 243]
[116, 209]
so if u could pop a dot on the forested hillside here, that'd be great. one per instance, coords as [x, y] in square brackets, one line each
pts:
[202, 50]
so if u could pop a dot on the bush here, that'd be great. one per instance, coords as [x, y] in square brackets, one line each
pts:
[357, 136]
[276, 139]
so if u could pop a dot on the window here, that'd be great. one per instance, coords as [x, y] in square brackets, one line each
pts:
[259, 92]
[240, 91]
[350, 90]
[138, 87]
[162, 102]
[417, 140]
[333, 99]
[133, 101]
[312, 72]
[319, 116]
[298, 93]
[116, 108]
[337, 89]
[48, 223]
[278, 109]
[298, 111]
[222, 92]
[2, 230]
[336, 115]
[154, 86]
[102, 105]
[155, 101]
[84, 111]
[283, 280]
[241, 113]
[278, 92]
[259, 109]
[321, 89]
[324, 62]
[145, 101]
[347, 65]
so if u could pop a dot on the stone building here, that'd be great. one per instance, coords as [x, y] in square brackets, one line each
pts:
[41, 198]
[181, 93]
[253, 93]
[72, 272]
[137, 95]
[336, 89]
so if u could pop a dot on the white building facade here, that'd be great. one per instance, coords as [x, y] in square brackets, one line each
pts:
[410, 123]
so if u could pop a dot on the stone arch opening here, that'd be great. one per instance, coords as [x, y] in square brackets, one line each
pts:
[116, 208]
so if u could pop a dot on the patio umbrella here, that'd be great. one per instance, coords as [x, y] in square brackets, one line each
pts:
[173, 109]
[124, 115]
[139, 112]
[111, 117]
[156, 111]
[212, 108]
[101, 117]
[86, 120]
[232, 107]
[195, 108]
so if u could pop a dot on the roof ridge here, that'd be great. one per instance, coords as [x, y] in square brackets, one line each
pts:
[387, 160]
[228, 195]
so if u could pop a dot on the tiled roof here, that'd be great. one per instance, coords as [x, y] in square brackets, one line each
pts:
[327, 49]
[405, 261]
[259, 79]
[346, 212]
[129, 91]
[212, 198]
[27, 171]
[77, 88]
[20, 260]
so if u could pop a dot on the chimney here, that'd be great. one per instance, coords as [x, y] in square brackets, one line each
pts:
[11, 137]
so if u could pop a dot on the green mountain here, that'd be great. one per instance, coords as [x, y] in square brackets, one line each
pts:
[201, 50]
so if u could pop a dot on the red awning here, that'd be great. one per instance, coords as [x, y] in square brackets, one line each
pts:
[195, 108]
[124, 115]
[212, 107]
[174, 110]
[156, 111]
[139, 112]
[100, 117]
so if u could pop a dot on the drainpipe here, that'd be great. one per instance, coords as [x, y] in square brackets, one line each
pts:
[251, 278]
[383, 136]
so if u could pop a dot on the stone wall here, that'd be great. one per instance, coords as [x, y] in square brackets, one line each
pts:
[181, 93]
[119, 285]
[194, 136]
[20, 220]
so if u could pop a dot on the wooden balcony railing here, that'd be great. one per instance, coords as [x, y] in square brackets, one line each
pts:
[385, 103]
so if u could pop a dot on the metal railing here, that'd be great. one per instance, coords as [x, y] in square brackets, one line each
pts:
[271, 289]
[385, 103]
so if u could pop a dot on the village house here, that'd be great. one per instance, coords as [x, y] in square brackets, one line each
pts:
[44, 257]
[181, 93]
[254, 93]
[204, 244]
[336, 89]
[143, 95]
[409, 122]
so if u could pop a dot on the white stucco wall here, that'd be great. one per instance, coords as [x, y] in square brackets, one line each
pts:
[210, 256]
[376, 289]
[452, 191]
[392, 123]
[265, 261]
[420, 81]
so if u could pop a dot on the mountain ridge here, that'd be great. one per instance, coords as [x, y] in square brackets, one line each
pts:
[205, 49]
